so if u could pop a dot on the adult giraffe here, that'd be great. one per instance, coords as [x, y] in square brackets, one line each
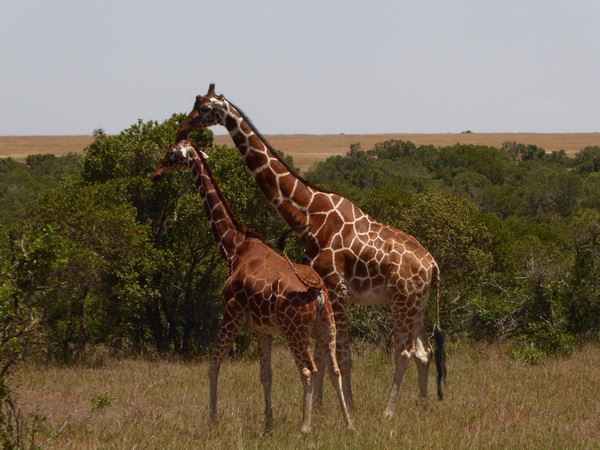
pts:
[360, 260]
[264, 292]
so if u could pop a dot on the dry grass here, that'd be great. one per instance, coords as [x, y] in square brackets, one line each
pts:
[309, 149]
[21, 146]
[492, 402]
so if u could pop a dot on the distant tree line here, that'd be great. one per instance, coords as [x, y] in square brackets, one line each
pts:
[93, 253]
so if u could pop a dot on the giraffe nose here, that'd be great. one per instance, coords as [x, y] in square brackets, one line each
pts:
[157, 177]
[159, 174]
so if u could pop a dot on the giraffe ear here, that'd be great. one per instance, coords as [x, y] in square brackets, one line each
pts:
[211, 90]
[204, 155]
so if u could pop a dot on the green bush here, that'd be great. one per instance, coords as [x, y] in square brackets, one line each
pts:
[527, 353]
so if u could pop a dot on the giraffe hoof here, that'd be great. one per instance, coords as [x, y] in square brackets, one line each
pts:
[388, 414]
[423, 402]
[304, 433]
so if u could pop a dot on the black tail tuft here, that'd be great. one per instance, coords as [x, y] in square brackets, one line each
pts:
[284, 235]
[440, 359]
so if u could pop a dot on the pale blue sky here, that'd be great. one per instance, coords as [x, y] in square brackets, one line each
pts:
[312, 66]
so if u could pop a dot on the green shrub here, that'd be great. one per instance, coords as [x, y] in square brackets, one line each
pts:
[527, 352]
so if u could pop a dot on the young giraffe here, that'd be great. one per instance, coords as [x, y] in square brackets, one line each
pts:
[360, 260]
[264, 292]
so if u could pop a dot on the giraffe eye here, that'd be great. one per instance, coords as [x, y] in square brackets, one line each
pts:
[204, 109]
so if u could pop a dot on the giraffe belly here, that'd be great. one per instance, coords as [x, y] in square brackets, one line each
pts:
[370, 297]
[265, 324]
[266, 329]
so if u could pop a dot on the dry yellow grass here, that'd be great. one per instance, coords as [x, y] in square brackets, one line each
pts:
[309, 149]
[21, 146]
[492, 402]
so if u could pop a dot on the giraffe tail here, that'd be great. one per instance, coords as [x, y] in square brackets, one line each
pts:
[310, 278]
[439, 338]
[284, 235]
[440, 359]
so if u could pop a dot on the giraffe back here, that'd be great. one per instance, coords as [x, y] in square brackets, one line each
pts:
[269, 293]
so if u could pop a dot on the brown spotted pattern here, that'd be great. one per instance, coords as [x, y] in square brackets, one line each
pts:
[262, 293]
[360, 260]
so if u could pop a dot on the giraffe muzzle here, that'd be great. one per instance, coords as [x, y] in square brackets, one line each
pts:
[159, 173]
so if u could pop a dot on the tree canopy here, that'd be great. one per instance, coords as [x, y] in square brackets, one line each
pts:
[96, 253]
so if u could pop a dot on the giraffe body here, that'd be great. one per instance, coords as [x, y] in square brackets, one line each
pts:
[360, 260]
[264, 293]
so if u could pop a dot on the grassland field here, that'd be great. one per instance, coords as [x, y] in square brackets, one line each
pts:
[492, 402]
[307, 149]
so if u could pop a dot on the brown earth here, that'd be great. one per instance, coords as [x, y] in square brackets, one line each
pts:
[307, 149]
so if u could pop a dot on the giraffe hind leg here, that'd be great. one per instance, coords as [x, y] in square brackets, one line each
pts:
[343, 354]
[266, 377]
[401, 359]
[320, 361]
[403, 350]
[307, 382]
[336, 381]
[423, 355]
[299, 346]
[325, 345]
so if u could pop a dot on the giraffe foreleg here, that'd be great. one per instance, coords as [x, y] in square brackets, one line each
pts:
[230, 327]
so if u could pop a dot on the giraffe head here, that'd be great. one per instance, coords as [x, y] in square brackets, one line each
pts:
[207, 111]
[176, 157]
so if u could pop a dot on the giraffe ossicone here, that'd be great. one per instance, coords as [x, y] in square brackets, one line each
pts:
[360, 259]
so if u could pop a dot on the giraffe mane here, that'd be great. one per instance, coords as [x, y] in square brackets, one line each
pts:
[238, 224]
[275, 153]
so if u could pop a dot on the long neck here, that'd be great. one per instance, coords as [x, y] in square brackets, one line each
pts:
[285, 190]
[228, 231]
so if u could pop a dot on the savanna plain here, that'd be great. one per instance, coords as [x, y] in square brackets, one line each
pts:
[307, 149]
[492, 400]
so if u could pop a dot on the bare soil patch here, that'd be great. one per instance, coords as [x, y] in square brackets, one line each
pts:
[307, 149]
